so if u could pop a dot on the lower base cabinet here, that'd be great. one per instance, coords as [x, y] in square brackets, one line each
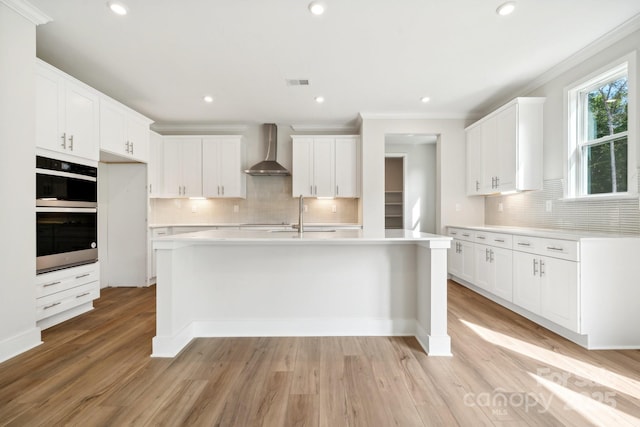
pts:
[494, 268]
[63, 294]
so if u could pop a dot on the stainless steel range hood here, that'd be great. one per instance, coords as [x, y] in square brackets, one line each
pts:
[269, 166]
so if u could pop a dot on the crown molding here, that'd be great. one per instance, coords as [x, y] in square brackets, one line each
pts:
[413, 116]
[27, 10]
[197, 127]
[324, 128]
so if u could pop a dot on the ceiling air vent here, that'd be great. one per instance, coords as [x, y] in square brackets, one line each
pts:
[297, 82]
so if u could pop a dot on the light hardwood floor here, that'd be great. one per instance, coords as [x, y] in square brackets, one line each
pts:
[505, 370]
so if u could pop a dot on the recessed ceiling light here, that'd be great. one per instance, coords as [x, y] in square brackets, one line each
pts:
[319, 99]
[425, 99]
[208, 99]
[117, 8]
[506, 8]
[316, 7]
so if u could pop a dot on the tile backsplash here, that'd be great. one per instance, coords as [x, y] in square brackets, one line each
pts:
[269, 201]
[530, 210]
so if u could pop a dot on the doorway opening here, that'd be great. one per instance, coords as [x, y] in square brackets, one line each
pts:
[410, 182]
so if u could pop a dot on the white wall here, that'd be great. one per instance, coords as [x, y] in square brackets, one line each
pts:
[420, 186]
[18, 331]
[454, 207]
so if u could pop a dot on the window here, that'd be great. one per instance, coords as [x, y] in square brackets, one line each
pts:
[600, 158]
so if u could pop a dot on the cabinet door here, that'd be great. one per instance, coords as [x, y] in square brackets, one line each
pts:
[138, 139]
[454, 259]
[211, 182]
[474, 163]
[489, 156]
[231, 175]
[502, 265]
[302, 170]
[526, 281]
[191, 163]
[155, 165]
[468, 261]
[346, 167]
[483, 270]
[172, 168]
[49, 103]
[324, 167]
[559, 292]
[112, 129]
[81, 121]
[506, 137]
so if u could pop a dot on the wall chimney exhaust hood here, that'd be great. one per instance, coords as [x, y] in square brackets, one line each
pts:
[269, 166]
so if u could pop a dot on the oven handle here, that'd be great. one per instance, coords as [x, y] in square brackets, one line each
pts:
[63, 209]
[66, 174]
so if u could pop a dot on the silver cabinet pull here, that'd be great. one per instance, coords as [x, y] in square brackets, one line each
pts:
[126, 147]
[486, 255]
[490, 255]
[82, 275]
[64, 140]
[223, 190]
[480, 237]
[465, 234]
[453, 233]
[47, 307]
[315, 190]
[51, 284]
[71, 142]
[524, 244]
[132, 148]
[499, 240]
[83, 295]
[553, 248]
[477, 185]
[535, 267]
[150, 188]
[541, 268]
[337, 190]
[497, 181]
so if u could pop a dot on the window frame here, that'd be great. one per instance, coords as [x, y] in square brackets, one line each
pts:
[577, 129]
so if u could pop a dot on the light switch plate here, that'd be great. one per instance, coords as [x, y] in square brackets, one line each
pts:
[548, 206]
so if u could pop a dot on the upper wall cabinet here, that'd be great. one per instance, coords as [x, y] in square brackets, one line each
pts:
[222, 160]
[67, 114]
[123, 132]
[182, 166]
[155, 177]
[326, 166]
[504, 149]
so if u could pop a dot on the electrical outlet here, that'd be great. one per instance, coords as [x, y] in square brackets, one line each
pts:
[333, 209]
[306, 208]
[500, 207]
[548, 205]
[458, 207]
[194, 208]
[236, 208]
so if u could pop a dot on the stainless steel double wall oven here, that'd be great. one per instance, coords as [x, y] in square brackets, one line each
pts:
[66, 214]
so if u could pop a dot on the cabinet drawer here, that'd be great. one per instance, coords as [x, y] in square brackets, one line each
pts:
[58, 281]
[67, 299]
[461, 234]
[556, 248]
[494, 239]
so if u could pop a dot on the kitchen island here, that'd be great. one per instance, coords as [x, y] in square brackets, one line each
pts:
[222, 283]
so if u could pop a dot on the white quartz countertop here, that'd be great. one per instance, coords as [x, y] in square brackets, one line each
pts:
[292, 237]
[256, 225]
[549, 233]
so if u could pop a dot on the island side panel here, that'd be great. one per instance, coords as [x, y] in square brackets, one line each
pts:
[286, 290]
[432, 298]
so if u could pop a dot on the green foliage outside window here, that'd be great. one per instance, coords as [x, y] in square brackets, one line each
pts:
[606, 162]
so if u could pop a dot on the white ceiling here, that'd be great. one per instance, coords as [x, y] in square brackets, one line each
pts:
[363, 56]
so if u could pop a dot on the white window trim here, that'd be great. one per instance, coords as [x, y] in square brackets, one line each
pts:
[572, 154]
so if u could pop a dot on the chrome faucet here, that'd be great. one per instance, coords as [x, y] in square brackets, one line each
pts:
[301, 215]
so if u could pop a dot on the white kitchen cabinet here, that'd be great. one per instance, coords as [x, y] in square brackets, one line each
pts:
[325, 166]
[123, 132]
[155, 166]
[461, 256]
[510, 145]
[347, 154]
[222, 173]
[67, 114]
[63, 294]
[182, 166]
[474, 163]
[526, 281]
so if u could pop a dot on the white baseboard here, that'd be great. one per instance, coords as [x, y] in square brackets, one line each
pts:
[20, 343]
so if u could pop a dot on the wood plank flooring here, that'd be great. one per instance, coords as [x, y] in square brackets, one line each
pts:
[95, 370]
